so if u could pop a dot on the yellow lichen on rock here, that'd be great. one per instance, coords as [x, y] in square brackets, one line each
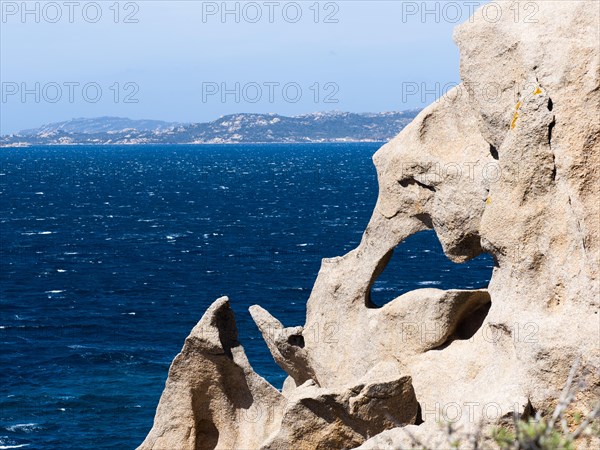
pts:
[513, 123]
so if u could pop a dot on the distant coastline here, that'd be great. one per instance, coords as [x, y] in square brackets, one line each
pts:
[319, 128]
[199, 144]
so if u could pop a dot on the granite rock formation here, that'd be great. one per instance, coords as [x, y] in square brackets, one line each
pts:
[507, 163]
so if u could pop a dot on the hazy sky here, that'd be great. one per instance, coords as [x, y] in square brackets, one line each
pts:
[185, 61]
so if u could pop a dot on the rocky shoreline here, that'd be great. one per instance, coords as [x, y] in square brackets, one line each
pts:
[521, 181]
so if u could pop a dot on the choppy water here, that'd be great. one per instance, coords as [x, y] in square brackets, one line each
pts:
[110, 255]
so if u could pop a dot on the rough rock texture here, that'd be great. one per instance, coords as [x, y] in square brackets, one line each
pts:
[507, 163]
[317, 418]
[286, 345]
[213, 398]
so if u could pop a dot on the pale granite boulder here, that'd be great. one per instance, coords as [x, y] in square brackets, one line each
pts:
[506, 163]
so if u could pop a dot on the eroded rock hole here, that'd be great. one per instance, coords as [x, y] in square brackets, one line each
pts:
[550, 129]
[207, 435]
[413, 181]
[469, 322]
[297, 340]
[419, 262]
[493, 151]
[529, 411]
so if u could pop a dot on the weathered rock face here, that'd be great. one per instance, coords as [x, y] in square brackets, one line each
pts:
[212, 397]
[507, 163]
[317, 418]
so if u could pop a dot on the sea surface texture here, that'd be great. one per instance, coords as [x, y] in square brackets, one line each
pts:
[110, 255]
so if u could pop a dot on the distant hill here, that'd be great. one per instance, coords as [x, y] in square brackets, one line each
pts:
[234, 128]
[98, 125]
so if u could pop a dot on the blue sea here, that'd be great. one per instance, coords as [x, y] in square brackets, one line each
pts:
[110, 254]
